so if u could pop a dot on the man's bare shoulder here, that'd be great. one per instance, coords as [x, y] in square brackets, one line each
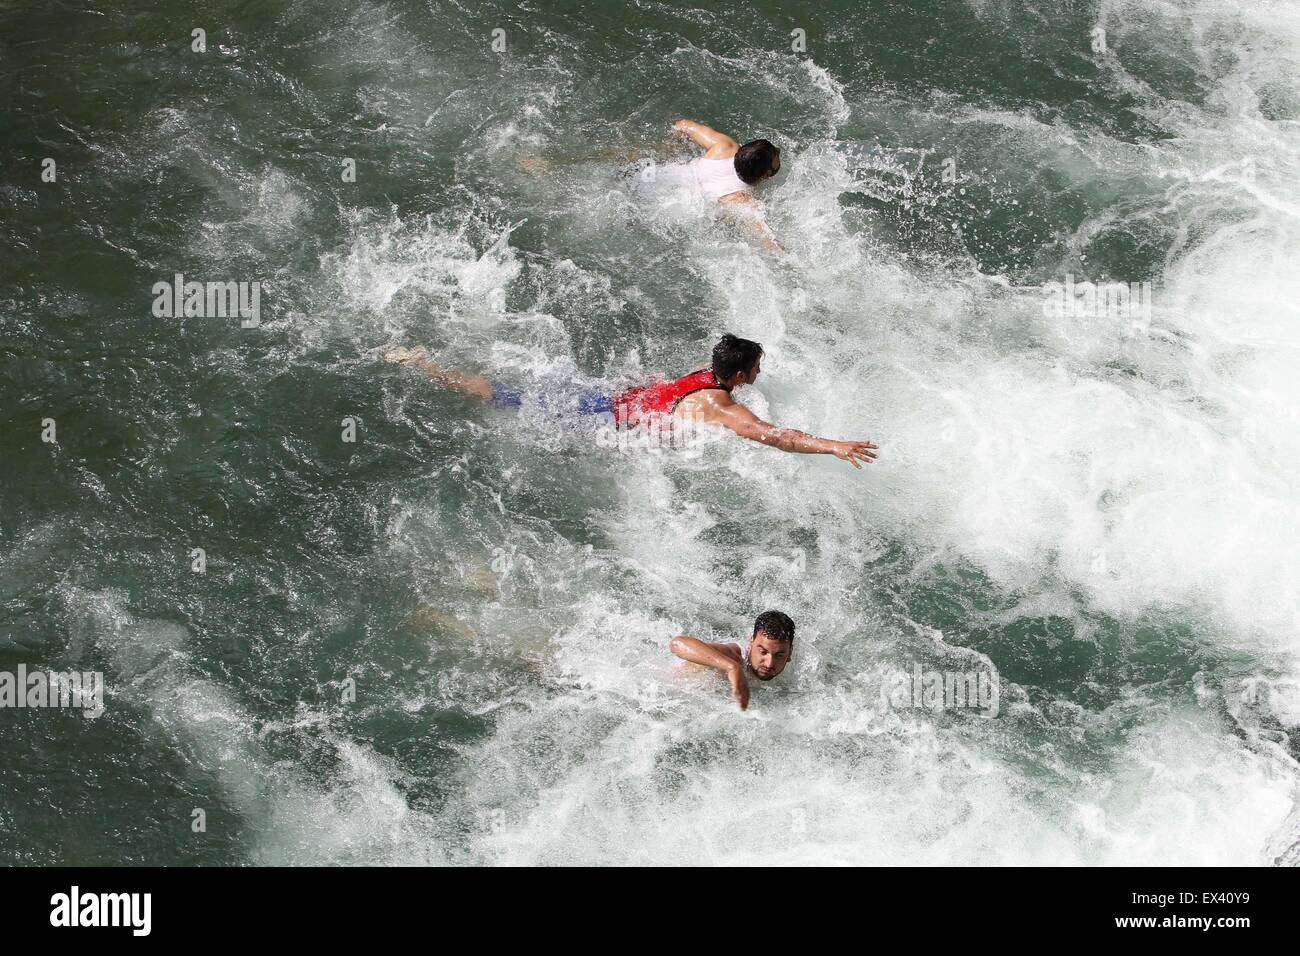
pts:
[706, 398]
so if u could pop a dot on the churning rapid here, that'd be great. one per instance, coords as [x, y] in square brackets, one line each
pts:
[446, 640]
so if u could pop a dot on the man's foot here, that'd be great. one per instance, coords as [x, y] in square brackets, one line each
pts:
[534, 164]
[405, 356]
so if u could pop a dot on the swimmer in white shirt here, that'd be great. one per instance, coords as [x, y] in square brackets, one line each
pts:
[728, 171]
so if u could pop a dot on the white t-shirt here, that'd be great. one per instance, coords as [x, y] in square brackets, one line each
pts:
[717, 178]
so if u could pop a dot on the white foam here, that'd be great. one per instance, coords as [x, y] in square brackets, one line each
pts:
[358, 816]
[1081, 469]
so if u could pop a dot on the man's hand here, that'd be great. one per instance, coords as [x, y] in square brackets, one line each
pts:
[739, 686]
[726, 658]
[854, 452]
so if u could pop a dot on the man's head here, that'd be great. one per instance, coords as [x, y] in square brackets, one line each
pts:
[772, 644]
[736, 360]
[757, 160]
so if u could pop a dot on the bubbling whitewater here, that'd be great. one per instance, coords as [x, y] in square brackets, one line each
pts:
[1102, 516]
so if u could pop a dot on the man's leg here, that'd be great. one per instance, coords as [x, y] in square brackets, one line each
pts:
[542, 164]
[447, 378]
[595, 403]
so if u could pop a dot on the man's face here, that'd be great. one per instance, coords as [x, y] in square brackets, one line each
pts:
[768, 656]
[752, 374]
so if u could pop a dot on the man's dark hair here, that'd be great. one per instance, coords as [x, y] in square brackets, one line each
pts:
[754, 160]
[732, 355]
[775, 625]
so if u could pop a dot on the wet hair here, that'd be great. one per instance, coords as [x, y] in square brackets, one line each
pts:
[732, 355]
[754, 160]
[775, 625]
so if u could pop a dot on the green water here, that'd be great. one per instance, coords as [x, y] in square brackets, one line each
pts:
[1105, 519]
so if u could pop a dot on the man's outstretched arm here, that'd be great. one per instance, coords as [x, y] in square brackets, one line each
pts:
[704, 136]
[716, 656]
[746, 424]
[752, 210]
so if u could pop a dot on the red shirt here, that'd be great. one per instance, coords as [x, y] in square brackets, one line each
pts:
[645, 403]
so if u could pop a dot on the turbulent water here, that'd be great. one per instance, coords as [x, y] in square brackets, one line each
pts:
[445, 641]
